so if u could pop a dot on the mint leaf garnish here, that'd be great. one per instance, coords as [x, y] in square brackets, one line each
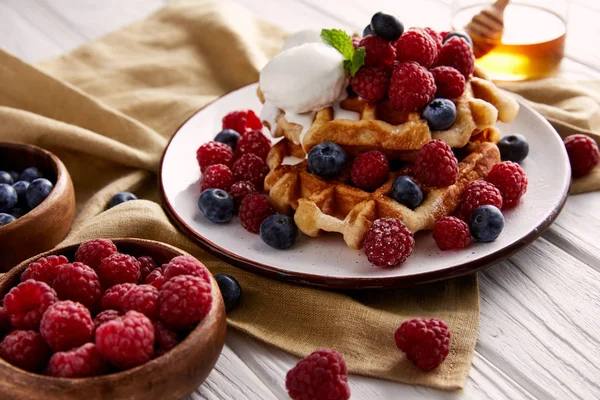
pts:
[342, 42]
[358, 59]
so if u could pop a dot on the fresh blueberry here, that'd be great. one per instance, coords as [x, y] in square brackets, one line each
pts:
[440, 114]
[486, 223]
[30, 174]
[121, 197]
[21, 188]
[368, 31]
[230, 290]
[217, 205]
[386, 26]
[8, 197]
[6, 219]
[37, 192]
[513, 148]
[229, 137]
[326, 160]
[5, 177]
[407, 192]
[462, 35]
[279, 231]
[14, 175]
[18, 212]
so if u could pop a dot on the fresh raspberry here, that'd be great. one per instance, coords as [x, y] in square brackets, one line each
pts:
[27, 302]
[185, 265]
[370, 170]
[147, 265]
[251, 168]
[212, 153]
[184, 301]
[583, 154]
[127, 341]
[370, 83]
[320, 375]
[511, 180]
[242, 121]
[165, 339]
[105, 316]
[255, 208]
[479, 193]
[119, 268]
[217, 176]
[437, 38]
[436, 164]
[80, 283]
[66, 325]
[379, 52]
[417, 45]
[113, 297]
[425, 341]
[411, 86]
[156, 278]
[80, 362]
[240, 190]
[253, 142]
[449, 82]
[26, 350]
[143, 299]
[5, 325]
[457, 53]
[451, 233]
[44, 269]
[93, 251]
[388, 242]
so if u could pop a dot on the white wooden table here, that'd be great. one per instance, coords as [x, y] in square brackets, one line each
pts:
[540, 311]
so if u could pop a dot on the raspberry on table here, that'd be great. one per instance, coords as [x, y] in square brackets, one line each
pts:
[26, 350]
[411, 86]
[322, 374]
[119, 268]
[479, 193]
[185, 265]
[379, 52]
[80, 362]
[417, 45]
[184, 301]
[370, 83]
[436, 164]
[156, 278]
[44, 269]
[583, 154]
[147, 265]
[449, 82]
[511, 180]
[143, 299]
[216, 176]
[255, 208]
[92, 252]
[253, 142]
[242, 121]
[370, 170]
[27, 302]
[437, 38]
[78, 282]
[451, 233]
[164, 338]
[251, 168]
[105, 316]
[388, 242]
[214, 153]
[426, 342]
[127, 341]
[457, 53]
[240, 190]
[113, 297]
[66, 325]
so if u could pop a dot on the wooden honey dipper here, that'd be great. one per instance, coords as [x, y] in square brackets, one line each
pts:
[487, 27]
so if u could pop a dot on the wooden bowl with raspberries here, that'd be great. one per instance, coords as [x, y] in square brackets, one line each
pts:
[109, 319]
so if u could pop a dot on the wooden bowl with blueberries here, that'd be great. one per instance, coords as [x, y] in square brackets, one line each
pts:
[109, 319]
[37, 202]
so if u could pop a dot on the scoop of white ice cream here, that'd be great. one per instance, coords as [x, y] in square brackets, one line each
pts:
[304, 78]
[302, 37]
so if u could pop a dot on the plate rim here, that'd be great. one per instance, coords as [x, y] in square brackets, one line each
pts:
[354, 283]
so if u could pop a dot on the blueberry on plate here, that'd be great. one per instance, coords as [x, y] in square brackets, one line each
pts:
[230, 290]
[326, 160]
[6, 219]
[229, 137]
[462, 35]
[513, 148]
[30, 174]
[8, 197]
[217, 205]
[368, 31]
[387, 26]
[14, 175]
[486, 223]
[406, 191]
[21, 188]
[440, 114]
[5, 177]
[279, 231]
[37, 192]
[121, 197]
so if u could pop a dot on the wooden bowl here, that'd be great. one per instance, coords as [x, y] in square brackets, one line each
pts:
[46, 225]
[173, 375]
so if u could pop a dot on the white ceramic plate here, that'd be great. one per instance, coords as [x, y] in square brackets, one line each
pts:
[327, 261]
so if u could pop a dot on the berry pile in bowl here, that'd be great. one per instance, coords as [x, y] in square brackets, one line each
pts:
[109, 317]
[21, 192]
